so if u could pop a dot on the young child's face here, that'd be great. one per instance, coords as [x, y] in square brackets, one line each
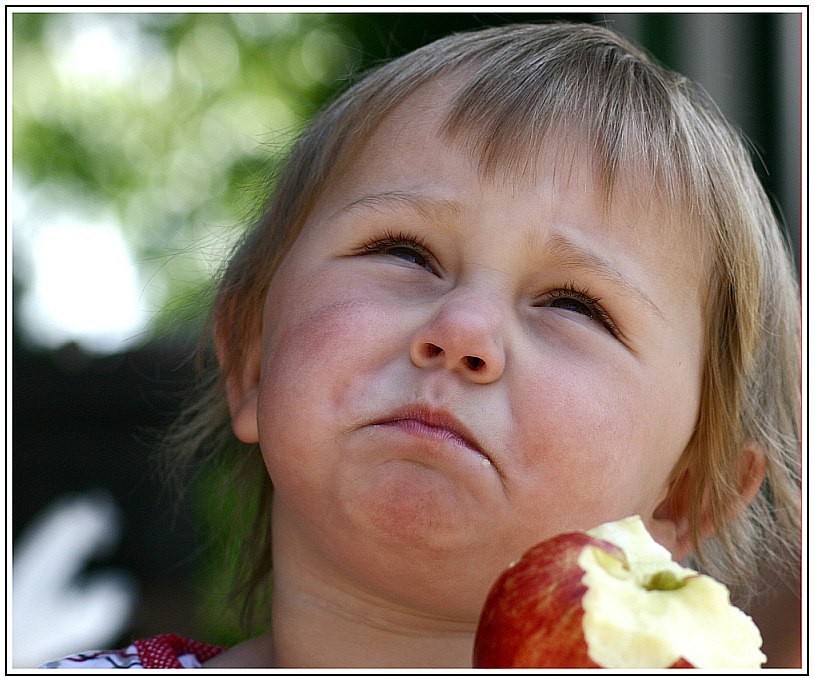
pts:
[453, 369]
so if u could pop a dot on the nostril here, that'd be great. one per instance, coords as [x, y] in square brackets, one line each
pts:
[473, 363]
[432, 350]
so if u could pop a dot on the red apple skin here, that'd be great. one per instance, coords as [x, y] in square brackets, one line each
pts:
[532, 617]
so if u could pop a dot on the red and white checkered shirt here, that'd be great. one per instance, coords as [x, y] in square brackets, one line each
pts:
[168, 651]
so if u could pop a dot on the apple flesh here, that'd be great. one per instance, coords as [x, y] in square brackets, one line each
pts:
[611, 597]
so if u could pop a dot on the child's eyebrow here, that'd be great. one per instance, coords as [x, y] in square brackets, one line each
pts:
[428, 207]
[573, 255]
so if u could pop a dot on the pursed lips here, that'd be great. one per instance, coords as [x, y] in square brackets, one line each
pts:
[435, 423]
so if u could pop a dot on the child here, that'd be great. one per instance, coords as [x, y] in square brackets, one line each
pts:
[518, 282]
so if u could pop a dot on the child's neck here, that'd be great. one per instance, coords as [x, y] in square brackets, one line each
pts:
[320, 617]
[324, 627]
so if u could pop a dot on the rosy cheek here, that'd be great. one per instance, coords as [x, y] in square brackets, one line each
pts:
[602, 440]
[577, 430]
[316, 323]
[317, 352]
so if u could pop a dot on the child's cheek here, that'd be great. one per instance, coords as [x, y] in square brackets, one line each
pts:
[572, 412]
[593, 437]
[316, 358]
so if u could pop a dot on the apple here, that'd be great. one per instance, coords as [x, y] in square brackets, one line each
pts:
[611, 597]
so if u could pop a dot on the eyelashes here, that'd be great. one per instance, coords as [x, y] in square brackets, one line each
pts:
[570, 297]
[580, 301]
[402, 246]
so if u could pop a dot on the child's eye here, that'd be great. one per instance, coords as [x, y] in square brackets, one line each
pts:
[402, 246]
[579, 301]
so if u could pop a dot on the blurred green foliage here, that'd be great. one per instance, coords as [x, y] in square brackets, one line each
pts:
[168, 122]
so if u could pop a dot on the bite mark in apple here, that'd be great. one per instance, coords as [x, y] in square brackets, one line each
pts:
[611, 597]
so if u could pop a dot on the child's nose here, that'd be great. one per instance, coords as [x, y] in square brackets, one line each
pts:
[464, 337]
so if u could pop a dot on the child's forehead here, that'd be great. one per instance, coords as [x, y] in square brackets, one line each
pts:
[403, 151]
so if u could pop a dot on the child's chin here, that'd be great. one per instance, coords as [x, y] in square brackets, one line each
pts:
[409, 504]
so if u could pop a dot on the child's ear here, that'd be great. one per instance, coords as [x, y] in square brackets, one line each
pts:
[242, 381]
[670, 521]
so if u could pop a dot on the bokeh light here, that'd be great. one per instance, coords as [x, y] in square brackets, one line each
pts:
[148, 137]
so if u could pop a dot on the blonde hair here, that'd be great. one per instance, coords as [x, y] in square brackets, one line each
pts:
[519, 86]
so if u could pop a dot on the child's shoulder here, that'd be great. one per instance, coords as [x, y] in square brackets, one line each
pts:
[168, 651]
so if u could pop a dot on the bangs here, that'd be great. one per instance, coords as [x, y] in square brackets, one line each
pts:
[562, 91]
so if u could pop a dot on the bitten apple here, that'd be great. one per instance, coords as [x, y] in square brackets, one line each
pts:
[611, 597]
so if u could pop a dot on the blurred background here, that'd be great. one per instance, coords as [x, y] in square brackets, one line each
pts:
[141, 143]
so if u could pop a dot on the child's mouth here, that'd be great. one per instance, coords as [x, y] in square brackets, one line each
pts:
[435, 424]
